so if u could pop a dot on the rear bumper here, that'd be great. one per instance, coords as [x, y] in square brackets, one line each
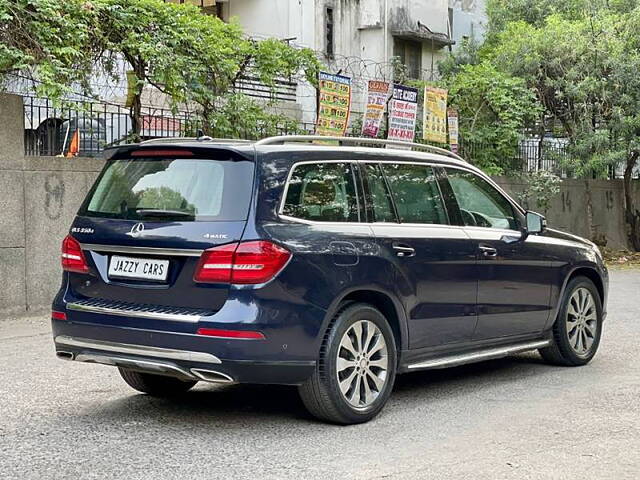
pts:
[184, 364]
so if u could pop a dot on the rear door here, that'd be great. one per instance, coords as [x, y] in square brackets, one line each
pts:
[514, 276]
[147, 220]
[434, 260]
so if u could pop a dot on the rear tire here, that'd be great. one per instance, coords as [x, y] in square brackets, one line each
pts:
[578, 326]
[155, 385]
[356, 368]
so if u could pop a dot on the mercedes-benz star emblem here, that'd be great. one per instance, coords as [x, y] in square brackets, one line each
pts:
[137, 230]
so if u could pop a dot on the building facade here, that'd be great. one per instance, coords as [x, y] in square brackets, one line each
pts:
[363, 39]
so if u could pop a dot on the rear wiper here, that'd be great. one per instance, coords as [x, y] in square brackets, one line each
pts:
[153, 212]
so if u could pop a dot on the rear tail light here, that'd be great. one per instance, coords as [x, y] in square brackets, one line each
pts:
[72, 257]
[247, 263]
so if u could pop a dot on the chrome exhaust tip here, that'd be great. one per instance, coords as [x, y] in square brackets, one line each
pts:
[212, 376]
[64, 355]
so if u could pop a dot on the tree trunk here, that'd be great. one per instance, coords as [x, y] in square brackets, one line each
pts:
[592, 230]
[135, 111]
[632, 216]
[543, 128]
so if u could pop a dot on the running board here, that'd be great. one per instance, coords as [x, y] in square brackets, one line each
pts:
[478, 356]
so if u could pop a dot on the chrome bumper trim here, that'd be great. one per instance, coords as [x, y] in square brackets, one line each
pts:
[121, 312]
[488, 354]
[142, 350]
[170, 252]
[133, 363]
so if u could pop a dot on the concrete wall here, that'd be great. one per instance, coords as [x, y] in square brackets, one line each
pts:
[469, 19]
[39, 197]
[568, 210]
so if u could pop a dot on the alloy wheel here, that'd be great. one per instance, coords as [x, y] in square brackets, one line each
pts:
[582, 321]
[362, 364]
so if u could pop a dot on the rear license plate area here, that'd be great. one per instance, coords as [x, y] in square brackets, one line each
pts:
[146, 269]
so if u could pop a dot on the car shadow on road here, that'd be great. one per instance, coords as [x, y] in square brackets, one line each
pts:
[239, 405]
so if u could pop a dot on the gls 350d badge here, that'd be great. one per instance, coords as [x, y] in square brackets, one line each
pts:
[137, 230]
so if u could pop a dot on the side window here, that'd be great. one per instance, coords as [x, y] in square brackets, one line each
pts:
[481, 205]
[379, 195]
[416, 193]
[322, 192]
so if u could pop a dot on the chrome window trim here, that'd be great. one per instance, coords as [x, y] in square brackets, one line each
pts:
[173, 252]
[429, 163]
[121, 312]
[142, 350]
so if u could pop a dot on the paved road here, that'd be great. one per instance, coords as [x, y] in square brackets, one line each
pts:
[509, 419]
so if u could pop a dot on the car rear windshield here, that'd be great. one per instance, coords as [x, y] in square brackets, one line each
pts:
[172, 189]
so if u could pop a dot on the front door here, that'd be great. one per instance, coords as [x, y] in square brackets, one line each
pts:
[435, 262]
[514, 276]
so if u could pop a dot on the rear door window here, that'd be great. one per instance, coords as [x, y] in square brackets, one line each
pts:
[416, 193]
[171, 189]
[322, 192]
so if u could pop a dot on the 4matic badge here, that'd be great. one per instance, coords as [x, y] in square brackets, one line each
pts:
[216, 236]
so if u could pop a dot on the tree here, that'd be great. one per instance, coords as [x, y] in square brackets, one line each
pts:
[192, 58]
[584, 72]
[493, 108]
[50, 41]
[156, 40]
[227, 58]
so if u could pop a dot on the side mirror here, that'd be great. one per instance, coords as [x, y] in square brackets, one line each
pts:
[536, 223]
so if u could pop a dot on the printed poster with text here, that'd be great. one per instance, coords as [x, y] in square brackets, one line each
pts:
[435, 115]
[452, 120]
[334, 105]
[377, 95]
[403, 113]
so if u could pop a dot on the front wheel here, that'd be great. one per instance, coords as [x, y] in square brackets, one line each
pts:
[155, 385]
[578, 326]
[356, 369]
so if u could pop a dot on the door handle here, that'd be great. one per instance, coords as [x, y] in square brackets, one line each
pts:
[404, 250]
[488, 251]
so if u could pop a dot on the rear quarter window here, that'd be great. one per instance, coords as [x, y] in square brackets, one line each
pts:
[323, 192]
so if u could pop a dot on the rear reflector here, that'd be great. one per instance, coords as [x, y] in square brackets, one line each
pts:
[58, 315]
[214, 332]
[162, 153]
[246, 263]
[72, 258]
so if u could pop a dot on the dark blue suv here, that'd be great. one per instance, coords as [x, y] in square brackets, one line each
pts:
[331, 266]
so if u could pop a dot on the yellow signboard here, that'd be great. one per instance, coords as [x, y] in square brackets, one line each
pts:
[334, 106]
[435, 115]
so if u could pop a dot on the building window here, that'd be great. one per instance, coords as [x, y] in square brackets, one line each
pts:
[329, 31]
[410, 54]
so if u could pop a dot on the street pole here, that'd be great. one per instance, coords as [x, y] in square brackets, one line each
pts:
[386, 32]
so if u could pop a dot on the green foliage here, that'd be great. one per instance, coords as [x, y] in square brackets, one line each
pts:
[49, 40]
[541, 187]
[241, 117]
[468, 53]
[581, 59]
[493, 108]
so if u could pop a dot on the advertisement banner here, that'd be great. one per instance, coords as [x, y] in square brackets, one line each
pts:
[334, 105]
[435, 115]
[377, 95]
[403, 113]
[452, 120]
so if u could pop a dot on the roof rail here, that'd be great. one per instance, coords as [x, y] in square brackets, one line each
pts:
[193, 139]
[355, 141]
